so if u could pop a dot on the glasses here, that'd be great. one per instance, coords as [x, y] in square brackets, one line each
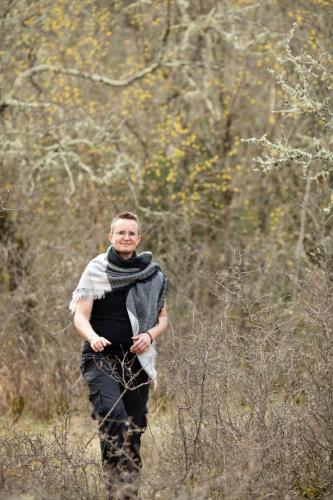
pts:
[122, 234]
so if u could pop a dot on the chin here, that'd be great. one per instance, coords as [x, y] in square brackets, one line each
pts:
[125, 251]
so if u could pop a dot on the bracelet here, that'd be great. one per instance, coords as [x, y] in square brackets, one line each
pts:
[151, 338]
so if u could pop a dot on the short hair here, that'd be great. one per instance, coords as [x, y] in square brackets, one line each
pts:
[128, 216]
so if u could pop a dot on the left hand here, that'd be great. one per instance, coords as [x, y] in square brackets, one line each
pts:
[140, 343]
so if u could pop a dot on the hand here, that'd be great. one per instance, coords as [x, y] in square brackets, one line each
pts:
[98, 343]
[140, 343]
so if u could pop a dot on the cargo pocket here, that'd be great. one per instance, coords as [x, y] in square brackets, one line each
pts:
[86, 362]
[82, 366]
[144, 420]
[95, 399]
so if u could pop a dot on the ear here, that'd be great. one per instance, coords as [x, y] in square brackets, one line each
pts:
[110, 237]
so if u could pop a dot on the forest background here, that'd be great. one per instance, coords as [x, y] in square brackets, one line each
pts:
[213, 121]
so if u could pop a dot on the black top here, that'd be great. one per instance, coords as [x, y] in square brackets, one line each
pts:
[109, 319]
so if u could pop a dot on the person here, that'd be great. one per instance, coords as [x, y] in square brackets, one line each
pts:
[119, 309]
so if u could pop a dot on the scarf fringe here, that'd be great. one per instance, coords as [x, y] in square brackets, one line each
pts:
[143, 302]
[164, 290]
[83, 294]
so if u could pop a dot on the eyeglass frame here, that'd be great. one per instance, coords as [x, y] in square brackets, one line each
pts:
[130, 234]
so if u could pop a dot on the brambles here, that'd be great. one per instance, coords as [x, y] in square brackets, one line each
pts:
[149, 106]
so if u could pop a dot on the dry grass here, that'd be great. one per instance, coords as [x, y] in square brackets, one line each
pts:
[243, 408]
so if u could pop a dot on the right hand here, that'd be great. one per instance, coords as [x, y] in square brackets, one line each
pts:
[98, 343]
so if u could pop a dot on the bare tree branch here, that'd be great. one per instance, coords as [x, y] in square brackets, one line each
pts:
[10, 100]
[5, 13]
[3, 203]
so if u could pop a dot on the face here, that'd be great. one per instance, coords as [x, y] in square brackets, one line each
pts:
[125, 237]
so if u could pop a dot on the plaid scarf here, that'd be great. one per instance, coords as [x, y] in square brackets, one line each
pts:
[148, 286]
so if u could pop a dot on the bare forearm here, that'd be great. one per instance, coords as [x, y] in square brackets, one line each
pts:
[158, 329]
[84, 328]
[142, 341]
